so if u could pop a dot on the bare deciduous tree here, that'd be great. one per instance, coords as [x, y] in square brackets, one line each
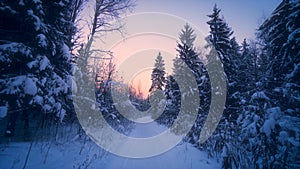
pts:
[106, 11]
[105, 17]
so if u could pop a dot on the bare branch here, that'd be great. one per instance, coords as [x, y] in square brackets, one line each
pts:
[107, 11]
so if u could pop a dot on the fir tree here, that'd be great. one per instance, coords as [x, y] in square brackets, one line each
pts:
[189, 57]
[219, 33]
[158, 74]
[35, 61]
[227, 50]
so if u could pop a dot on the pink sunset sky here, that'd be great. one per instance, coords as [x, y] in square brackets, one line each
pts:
[135, 54]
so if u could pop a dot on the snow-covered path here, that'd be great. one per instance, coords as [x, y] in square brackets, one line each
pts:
[183, 156]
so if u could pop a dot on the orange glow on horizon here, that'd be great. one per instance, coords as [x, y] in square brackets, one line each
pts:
[135, 57]
[141, 82]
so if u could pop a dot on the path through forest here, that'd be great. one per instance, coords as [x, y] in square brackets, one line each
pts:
[74, 155]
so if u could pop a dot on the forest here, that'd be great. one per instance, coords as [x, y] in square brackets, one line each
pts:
[51, 93]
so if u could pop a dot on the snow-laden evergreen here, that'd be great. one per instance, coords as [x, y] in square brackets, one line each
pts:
[35, 60]
[158, 74]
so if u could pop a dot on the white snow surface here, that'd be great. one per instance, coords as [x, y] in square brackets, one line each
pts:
[75, 154]
[259, 95]
[30, 87]
[42, 40]
[44, 63]
[3, 111]
[37, 22]
[269, 124]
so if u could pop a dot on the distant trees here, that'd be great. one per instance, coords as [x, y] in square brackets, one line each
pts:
[258, 127]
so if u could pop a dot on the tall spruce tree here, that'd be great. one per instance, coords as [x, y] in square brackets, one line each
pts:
[219, 33]
[186, 49]
[228, 52]
[158, 74]
[189, 57]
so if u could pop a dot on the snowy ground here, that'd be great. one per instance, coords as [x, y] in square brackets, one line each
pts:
[75, 154]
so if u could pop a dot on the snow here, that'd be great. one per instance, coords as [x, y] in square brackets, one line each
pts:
[61, 4]
[14, 48]
[277, 89]
[30, 87]
[113, 116]
[268, 126]
[51, 100]
[18, 80]
[21, 2]
[274, 112]
[43, 81]
[203, 77]
[243, 101]
[57, 106]
[180, 157]
[32, 64]
[283, 136]
[258, 84]
[66, 51]
[44, 63]
[74, 86]
[61, 114]
[14, 84]
[143, 130]
[42, 40]
[61, 85]
[37, 1]
[9, 9]
[46, 107]
[37, 22]
[38, 99]
[259, 95]
[297, 98]
[3, 111]
[76, 154]
[292, 36]
[236, 95]
[294, 72]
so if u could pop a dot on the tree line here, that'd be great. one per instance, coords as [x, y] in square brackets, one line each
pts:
[41, 43]
[258, 128]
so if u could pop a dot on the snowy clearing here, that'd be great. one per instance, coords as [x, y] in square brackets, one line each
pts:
[76, 154]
